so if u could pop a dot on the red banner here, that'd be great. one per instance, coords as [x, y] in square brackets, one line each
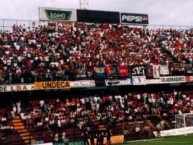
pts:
[189, 79]
[149, 72]
[123, 71]
[108, 69]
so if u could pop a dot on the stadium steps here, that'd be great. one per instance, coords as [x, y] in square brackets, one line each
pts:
[20, 128]
[15, 139]
[3, 138]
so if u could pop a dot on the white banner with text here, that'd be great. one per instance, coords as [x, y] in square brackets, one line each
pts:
[174, 132]
[16, 88]
[57, 14]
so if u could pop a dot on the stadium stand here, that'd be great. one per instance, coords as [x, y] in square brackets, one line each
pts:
[57, 52]
[72, 52]
[44, 117]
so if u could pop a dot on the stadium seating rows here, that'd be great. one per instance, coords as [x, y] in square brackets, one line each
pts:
[43, 118]
[72, 51]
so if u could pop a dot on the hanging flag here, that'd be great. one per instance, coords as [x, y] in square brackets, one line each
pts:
[164, 70]
[100, 71]
[108, 70]
[149, 71]
[123, 71]
[156, 73]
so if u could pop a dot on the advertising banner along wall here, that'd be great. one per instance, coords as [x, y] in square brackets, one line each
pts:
[82, 83]
[16, 88]
[173, 79]
[52, 85]
[131, 18]
[174, 132]
[116, 139]
[57, 14]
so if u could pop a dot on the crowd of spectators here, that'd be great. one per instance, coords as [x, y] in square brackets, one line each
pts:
[5, 120]
[111, 110]
[71, 51]
[55, 115]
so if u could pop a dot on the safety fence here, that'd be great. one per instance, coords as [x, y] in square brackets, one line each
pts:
[7, 25]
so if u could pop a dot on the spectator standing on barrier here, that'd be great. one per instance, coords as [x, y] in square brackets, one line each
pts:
[102, 137]
[56, 138]
[137, 131]
[92, 136]
[18, 104]
[85, 135]
[14, 109]
[159, 127]
[65, 140]
[108, 134]
[99, 137]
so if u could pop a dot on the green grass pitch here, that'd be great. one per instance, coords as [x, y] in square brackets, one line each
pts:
[174, 140]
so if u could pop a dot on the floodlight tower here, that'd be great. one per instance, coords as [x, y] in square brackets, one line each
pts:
[84, 4]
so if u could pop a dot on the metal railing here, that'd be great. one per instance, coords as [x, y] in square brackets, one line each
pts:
[7, 25]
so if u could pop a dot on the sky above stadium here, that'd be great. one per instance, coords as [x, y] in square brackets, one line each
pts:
[161, 12]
